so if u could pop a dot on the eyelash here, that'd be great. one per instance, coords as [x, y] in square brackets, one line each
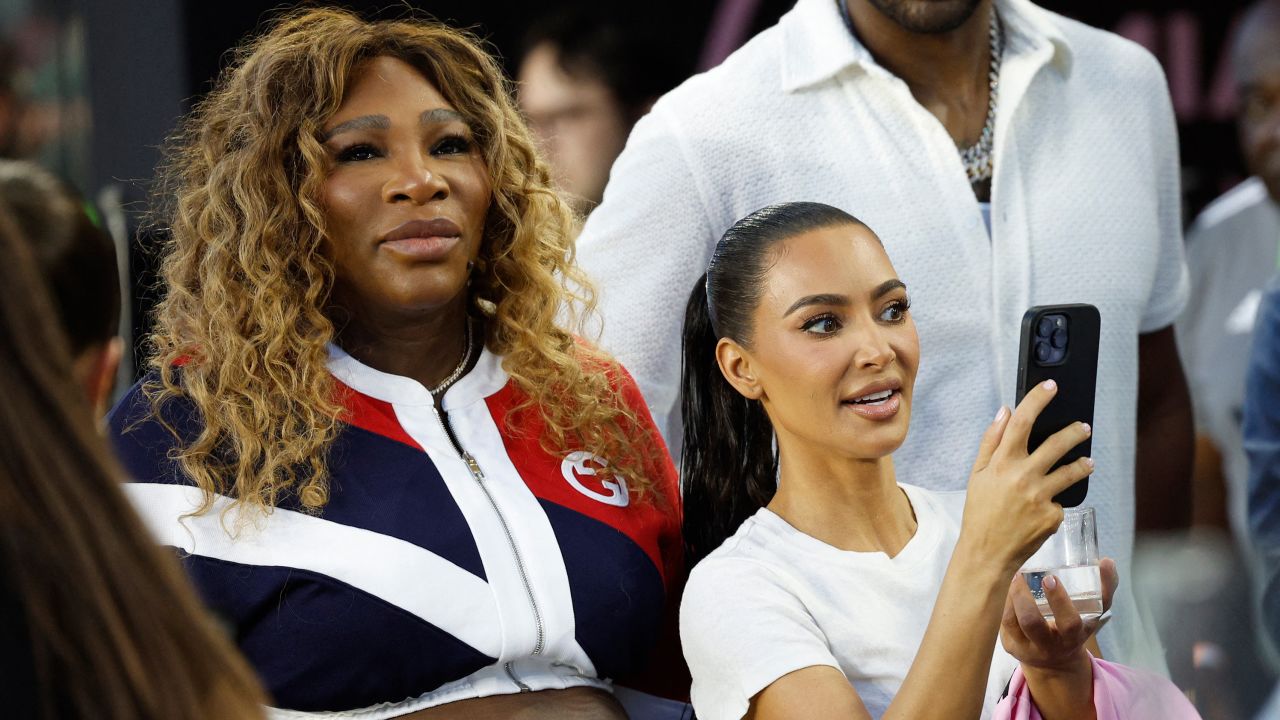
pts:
[448, 145]
[902, 306]
[824, 317]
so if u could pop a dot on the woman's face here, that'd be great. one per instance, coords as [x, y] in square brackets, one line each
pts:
[834, 351]
[406, 198]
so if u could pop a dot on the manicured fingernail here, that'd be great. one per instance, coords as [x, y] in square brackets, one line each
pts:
[1088, 461]
[1000, 413]
[1050, 385]
[1050, 582]
[1085, 427]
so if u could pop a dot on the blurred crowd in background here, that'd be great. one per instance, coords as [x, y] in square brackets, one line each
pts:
[89, 90]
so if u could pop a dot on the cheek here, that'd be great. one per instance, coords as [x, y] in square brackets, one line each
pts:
[475, 192]
[907, 348]
[806, 370]
[342, 203]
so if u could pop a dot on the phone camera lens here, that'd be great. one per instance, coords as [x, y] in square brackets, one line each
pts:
[1043, 351]
[1059, 338]
[1044, 328]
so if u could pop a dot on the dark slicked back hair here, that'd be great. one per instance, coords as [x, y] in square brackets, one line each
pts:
[729, 468]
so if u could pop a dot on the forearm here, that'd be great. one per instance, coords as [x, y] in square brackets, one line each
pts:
[948, 678]
[1165, 438]
[1164, 459]
[1065, 693]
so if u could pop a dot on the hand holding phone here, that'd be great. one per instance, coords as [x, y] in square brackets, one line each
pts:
[1060, 343]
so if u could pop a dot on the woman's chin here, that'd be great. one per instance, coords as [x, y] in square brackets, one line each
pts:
[879, 440]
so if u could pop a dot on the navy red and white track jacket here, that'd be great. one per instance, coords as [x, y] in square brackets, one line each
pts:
[439, 570]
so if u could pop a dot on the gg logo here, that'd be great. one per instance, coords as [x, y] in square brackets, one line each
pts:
[575, 464]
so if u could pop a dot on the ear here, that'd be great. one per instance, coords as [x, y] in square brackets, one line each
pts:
[96, 368]
[735, 364]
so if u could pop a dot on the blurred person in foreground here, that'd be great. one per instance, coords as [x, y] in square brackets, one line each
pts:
[1232, 252]
[78, 262]
[1011, 157]
[96, 621]
[388, 467]
[586, 77]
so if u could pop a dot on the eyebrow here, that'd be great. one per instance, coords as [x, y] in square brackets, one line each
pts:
[823, 299]
[887, 287]
[881, 290]
[382, 122]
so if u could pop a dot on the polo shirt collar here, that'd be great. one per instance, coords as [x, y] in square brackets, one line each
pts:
[817, 44]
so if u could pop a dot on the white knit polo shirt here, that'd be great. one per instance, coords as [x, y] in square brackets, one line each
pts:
[1085, 208]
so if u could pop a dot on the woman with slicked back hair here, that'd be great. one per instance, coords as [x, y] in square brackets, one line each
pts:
[823, 587]
[390, 467]
[96, 621]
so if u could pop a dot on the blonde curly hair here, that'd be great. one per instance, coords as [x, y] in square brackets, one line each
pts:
[247, 282]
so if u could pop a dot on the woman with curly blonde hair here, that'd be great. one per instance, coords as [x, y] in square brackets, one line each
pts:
[388, 467]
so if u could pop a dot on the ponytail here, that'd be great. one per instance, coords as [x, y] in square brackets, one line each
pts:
[729, 469]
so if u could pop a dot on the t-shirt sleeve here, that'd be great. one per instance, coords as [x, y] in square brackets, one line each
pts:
[643, 248]
[741, 630]
[1171, 285]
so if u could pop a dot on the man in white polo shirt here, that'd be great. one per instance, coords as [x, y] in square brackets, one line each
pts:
[869, 108]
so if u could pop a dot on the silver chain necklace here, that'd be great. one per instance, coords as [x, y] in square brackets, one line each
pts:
[977, 157]
[462, 364]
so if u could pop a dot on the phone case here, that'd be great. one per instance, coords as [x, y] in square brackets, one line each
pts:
[1076, 375]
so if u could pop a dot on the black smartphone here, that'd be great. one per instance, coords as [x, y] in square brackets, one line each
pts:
[1060, 343]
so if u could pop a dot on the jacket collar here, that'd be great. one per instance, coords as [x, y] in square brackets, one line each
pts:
[485, 379]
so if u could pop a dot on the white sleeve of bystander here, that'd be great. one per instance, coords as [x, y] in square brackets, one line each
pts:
[643, 247]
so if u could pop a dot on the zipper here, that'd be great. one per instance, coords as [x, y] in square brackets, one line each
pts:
[474, 467]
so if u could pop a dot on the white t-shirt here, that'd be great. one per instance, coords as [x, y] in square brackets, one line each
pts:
[772, 600]
[1085, 208]
[1231, 255]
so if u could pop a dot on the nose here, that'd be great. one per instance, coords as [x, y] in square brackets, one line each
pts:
[874, 352]
[415, 180]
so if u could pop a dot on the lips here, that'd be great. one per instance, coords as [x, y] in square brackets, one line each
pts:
[879, 400]
[423, 240]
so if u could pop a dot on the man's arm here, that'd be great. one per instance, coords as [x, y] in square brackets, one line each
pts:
[643, 248]
[1165, 436]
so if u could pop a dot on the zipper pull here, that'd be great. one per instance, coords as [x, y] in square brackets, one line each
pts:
[473, 466]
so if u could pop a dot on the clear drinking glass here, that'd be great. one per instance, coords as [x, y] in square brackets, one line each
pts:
[1071, 555]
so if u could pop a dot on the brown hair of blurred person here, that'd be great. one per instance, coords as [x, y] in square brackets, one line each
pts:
[10, 101]
[248, 315]
[98, 622]
[78, 262]
[586, 76]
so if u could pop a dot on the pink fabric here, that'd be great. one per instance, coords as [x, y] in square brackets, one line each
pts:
[1119, 693]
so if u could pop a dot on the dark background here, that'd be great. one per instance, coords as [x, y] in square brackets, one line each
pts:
[149, 60]
[167, 53]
